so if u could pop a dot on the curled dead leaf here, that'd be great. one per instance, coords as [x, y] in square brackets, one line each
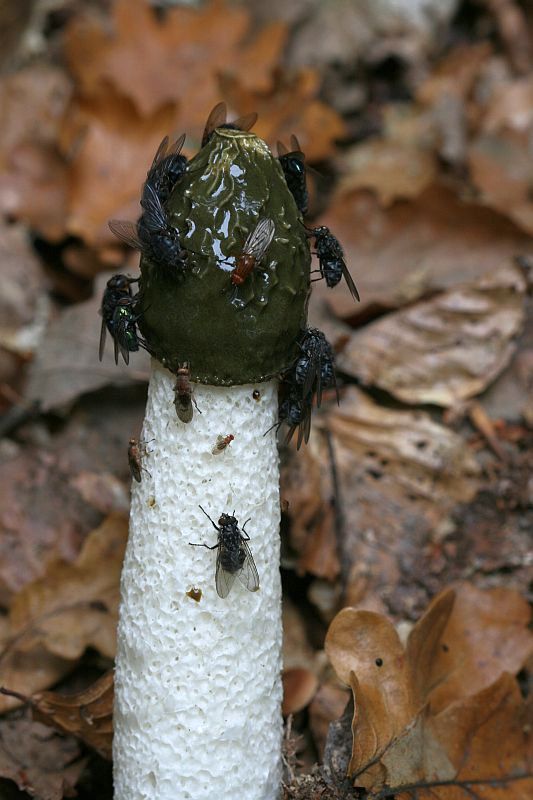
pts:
[87, 715]
[402, 741]
[445, 349]
[73, 606]
[299, 688]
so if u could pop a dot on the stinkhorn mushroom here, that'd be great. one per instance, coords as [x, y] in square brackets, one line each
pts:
[197, 679]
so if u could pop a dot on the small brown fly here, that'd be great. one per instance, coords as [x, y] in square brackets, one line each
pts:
[217, 119]
[254, 250]
[222, 443]
[136, 452]
[183, 393]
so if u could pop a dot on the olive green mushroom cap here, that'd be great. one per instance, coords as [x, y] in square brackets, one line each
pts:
[229, 334]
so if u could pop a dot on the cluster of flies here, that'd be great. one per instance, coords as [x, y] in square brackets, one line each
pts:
[157, 239]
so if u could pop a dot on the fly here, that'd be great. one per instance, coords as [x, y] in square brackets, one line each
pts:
[221, 443]
[332, 266]
[136, 452]
[183, 393]
[217, 119]
[167, 168]
[294, 169]
[153, 234]
[234, 557]
[118, 288]
[254, 250]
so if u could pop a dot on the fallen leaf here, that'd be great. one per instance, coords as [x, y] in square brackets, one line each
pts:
[390, 169]
[446, 349]
[396, 471]
[38, 760]
[157, 62]
[24, 304]
[73, 606]
[403, 742]
[113, 147]
[414, 248]
[326, 706]
[487, 634]
[299, 688]
[66, 364]
[87, 715]
[42, 518]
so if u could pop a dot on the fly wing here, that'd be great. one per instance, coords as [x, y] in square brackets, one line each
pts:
[224, 580]
[160, 153]
[248, 574]
[282, 150]
[126, 232]
[304, 429]
[103, 332]
[259, 239]
[350, 281]
[120, 328]
[154, 213]
[312, 371]
[216, 118]
[247, 122]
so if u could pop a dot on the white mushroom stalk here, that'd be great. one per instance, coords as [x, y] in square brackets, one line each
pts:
[197, 680]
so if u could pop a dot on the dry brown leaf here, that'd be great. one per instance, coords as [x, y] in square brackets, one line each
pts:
[326, 706]
[41, 518]
[455, 74]
[396, 471]
[417, 247]
[32, 104]
[398, 739]
[390, 169]
[406, 447]
[88, 715]
[74, 606]
[113, 147]
[487, 634]
[24, 305]
[476, 747]
[158, 62]
[299, 688]
[446, 349]
[39, 761]
[66, 364]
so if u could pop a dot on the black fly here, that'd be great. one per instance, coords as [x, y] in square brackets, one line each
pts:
[312, 371]
[234, 558]
[119, 317]
[331, 259]
[293, 166]
[167, 168]
[153, 234]
[315, 367]
[217, 119]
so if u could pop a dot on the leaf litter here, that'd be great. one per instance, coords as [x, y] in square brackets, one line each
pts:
[424, 130]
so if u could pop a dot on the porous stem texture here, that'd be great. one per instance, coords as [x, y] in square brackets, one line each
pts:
[197, 678]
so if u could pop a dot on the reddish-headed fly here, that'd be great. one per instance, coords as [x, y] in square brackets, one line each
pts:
[136, 452]
[234, 558]
[221, 443]
[217, 119]
[254, 250]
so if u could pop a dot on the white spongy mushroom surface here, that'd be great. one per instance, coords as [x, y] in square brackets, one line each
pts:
[197, 684]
